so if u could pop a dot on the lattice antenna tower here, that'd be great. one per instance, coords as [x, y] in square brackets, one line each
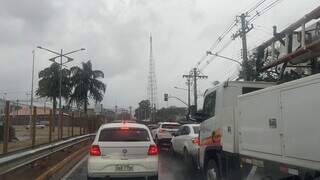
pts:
[152, 82]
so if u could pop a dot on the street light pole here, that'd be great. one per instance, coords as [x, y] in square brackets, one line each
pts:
[31, 93]
[60, 91]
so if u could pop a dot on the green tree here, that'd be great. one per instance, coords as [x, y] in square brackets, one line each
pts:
[49, 84]
[172, 113]
[86, 85]
[143, 111]
[252, 74]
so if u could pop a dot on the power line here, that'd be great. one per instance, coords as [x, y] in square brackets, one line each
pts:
[256, 6]
[226, 32]
[218, 41]
[213, 57]
[264, 10]
[232, 25]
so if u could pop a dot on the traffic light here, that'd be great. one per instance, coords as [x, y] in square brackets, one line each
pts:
[165, 97]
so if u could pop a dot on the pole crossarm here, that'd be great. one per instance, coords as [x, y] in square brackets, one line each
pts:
[245, 28]
[59, 54]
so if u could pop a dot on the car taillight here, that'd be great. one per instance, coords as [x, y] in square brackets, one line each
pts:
[161, 130]
[196, 141]
[124, 126]
[153, 150]
[95, 150]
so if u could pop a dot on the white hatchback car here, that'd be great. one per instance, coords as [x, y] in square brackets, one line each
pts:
[123, 150]
[186, 142]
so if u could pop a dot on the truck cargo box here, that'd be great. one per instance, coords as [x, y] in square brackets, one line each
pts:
[282, 123]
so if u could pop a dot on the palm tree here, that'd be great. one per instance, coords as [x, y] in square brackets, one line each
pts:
[49, 84]
[86, 85]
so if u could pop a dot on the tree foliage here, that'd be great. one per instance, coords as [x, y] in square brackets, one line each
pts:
[49, 84]
[171, 114]
[250, 71]
[143, 111]
[86, 85]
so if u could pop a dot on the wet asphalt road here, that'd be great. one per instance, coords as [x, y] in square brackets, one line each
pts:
[170, 168]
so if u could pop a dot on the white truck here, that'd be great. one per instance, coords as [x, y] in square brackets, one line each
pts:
[271, 133]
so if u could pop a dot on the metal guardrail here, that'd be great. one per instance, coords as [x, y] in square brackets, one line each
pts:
[15, 161]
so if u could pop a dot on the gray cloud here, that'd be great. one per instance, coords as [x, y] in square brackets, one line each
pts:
[115, 34]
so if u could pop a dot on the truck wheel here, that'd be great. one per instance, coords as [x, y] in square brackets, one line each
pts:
[212, 172]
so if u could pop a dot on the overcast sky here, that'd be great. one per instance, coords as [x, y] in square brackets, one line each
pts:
[115, 34]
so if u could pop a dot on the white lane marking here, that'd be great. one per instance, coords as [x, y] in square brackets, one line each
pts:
[65, 177]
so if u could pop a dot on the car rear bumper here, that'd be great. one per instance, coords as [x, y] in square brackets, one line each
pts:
[121, 175]
[164, 135]
[102, 167]
[164, 142]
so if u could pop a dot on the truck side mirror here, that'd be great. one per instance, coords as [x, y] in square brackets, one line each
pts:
[199, 116]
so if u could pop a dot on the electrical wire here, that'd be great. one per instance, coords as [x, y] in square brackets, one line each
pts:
[213, 57]
[217, 42]
[229, 29]
[264, 10]
[256, 6]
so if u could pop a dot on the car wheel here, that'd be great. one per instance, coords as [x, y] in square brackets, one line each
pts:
[186, 156]
[153, 177]
[212, 172]
[157, 141]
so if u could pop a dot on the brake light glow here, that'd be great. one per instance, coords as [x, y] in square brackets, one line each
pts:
[95, 150]
[153, 150]
[124, 126]
[196, 140]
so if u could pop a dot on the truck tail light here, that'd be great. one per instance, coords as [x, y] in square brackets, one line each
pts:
[153, 150]
[196, 140]
[95, 150]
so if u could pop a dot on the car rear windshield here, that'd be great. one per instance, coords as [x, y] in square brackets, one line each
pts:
[125, 134]
[196, 129]
[170, 126]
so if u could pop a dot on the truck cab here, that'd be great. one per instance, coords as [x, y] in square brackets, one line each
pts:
[218, 122]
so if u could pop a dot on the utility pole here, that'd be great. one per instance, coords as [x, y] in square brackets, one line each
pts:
[17, 107]
[195, 75]
[188, 84]
[243, 34]
[195, 88]
[116, 111]
[31, 93]
[189, 94]
[130, 109]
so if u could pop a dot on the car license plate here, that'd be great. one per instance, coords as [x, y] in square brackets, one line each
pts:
[124, 167]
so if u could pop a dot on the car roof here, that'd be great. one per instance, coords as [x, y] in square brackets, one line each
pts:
[127, 124]
[168, 123]
[191, 125]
